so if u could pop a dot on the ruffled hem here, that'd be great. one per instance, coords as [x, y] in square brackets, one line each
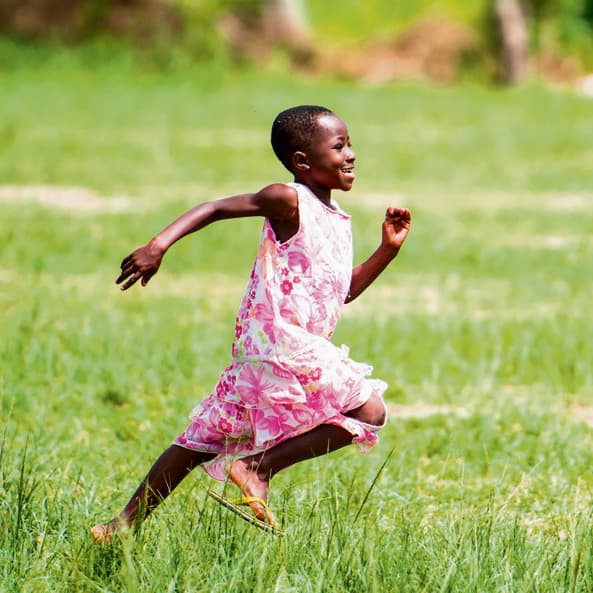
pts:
[258, 404]
[231, 431]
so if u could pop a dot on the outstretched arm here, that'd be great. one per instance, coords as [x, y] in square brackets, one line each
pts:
[278, 202]
[395, 230]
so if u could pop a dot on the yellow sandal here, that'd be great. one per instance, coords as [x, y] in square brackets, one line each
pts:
[235, 507]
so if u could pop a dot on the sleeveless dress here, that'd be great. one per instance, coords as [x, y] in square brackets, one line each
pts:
[286, 377]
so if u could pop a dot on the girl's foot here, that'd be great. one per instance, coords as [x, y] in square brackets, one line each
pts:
[254, 483]
[103, 532]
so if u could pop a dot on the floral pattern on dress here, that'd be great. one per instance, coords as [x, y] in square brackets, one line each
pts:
[286, 376]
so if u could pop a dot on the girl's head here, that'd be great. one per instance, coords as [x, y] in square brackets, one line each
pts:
[293, 130]
[312, 142]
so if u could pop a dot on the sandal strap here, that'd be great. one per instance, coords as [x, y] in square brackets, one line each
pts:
[249, 499]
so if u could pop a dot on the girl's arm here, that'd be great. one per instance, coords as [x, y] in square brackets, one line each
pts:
[278, 202]
[395, 230]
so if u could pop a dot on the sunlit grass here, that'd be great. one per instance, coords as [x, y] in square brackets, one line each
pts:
[481, 328]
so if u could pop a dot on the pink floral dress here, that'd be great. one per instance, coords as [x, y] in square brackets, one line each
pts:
[286, 377]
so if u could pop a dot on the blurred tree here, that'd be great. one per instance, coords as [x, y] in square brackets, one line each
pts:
[202, 29]
[253, 27]
[512, 30]
[285, 22]
[558, 34]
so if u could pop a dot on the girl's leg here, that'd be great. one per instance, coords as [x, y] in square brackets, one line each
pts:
[253, 474]
[164, 476]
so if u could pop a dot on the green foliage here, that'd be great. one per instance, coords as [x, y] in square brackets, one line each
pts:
[558, 27]
[564, 26]
[484, 319]
[201, 38]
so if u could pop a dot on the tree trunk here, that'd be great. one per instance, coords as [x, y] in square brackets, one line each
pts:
[285, 23]
[513, 40]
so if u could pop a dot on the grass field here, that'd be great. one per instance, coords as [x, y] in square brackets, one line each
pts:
[481, 480]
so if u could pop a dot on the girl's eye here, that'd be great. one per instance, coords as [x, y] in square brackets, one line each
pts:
[339, 146]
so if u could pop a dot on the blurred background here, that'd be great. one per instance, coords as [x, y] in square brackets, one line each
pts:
[493, 41]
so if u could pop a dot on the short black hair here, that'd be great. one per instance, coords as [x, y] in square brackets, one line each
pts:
[293, 129]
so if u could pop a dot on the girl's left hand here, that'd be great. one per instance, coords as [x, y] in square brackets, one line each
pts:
[142, 264]
[396, 226]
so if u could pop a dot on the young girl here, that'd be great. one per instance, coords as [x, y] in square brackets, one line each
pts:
[289, 393]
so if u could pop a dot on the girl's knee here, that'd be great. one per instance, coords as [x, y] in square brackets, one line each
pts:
[372, 412]
[378, 413]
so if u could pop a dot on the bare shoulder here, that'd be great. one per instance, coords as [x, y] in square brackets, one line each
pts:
[280, 200]
[280, 192]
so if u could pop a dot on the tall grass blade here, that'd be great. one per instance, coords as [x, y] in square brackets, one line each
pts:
[377, 476]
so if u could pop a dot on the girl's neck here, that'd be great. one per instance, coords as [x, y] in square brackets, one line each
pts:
[322, 194]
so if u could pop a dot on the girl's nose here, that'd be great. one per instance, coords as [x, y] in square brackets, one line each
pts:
[350, 155]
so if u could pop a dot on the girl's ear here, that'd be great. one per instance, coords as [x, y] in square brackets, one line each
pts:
[299, 161]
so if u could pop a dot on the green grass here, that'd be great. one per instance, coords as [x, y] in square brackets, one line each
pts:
[486, 314]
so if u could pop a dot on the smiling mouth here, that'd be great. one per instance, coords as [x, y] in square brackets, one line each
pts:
[348, 170]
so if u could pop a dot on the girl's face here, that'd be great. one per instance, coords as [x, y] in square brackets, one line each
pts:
[330, 158]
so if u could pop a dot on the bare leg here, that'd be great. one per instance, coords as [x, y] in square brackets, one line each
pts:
[164, 476]
[253, 474]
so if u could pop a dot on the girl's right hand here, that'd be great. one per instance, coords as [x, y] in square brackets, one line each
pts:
[143, 263]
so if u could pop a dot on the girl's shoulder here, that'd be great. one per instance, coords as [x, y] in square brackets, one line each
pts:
[279, 190]
[277, 201]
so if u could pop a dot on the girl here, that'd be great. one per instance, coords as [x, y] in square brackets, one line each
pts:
[289, 393]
